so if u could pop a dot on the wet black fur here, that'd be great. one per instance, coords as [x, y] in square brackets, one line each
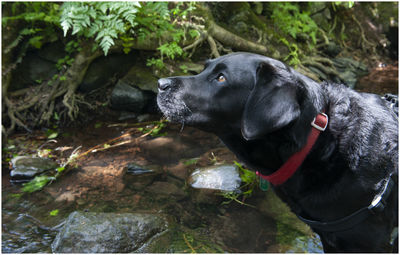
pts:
[262, 112]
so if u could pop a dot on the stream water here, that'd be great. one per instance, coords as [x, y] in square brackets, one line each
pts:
[100, 182]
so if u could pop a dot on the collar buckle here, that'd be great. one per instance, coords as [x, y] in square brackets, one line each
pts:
[321, 124]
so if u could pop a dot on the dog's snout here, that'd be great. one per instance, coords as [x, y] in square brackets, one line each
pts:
[164, 84]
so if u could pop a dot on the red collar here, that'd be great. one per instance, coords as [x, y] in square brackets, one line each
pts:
[319, 124]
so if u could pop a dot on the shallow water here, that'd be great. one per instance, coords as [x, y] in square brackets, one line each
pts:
[100, 183]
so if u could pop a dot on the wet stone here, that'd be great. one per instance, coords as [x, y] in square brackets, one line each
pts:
[135, 169]
[107, 232]
[138, 177]
[223, 178]
[207, 183]
[26, 168]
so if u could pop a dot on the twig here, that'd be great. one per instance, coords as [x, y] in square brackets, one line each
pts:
[188, 244]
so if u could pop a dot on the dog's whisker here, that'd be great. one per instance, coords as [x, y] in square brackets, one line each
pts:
[186, 107]
[182, 127]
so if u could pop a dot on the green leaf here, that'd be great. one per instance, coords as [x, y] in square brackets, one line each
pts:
[36, 184]
[192, 161]
[194, 33]
[54, 212]
[53, 135]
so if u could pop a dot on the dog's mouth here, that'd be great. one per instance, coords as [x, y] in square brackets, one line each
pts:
[173, 108]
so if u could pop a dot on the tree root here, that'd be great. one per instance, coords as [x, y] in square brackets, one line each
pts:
[216, 34]
[213, 46]
[364, 40]
[43, 101]
[229, 39]
[305, 71]
[203, 36]
[324, 64]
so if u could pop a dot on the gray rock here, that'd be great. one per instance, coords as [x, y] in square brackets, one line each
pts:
[32, 70]
[332, 49]
[127, 98]
[37, 66]
[349, 70]
[52, 52]
[343, 64]
[103, 69]
[124, 115]
[25, 167]
[107, 232]
[349, 78]
[142, 78]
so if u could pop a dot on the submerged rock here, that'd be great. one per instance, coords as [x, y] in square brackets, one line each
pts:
[224, 178]
[26, 168]
[107, 232]
[139, 177]
[166, 189]
[135, 169]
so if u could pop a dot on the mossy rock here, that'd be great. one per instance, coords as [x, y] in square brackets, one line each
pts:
[183, 240]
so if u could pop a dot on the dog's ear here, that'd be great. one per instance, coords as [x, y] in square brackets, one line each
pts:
[271, 105]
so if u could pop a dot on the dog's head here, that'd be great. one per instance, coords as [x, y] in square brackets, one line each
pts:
[241, 91]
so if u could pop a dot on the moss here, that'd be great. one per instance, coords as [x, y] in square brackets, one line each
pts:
[179, 240]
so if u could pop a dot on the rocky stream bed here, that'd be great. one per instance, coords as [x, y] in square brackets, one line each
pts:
[138, 197]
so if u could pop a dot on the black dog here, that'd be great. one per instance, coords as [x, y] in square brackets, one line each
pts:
[346, 188]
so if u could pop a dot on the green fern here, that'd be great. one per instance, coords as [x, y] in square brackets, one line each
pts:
[290, 20]
[107, 22]
[104, 21]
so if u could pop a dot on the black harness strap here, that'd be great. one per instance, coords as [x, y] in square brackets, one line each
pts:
[377, 204]
[350, 221]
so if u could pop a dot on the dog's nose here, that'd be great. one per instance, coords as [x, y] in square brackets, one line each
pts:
[164, 84]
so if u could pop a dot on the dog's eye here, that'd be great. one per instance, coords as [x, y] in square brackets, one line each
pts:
[221, 78]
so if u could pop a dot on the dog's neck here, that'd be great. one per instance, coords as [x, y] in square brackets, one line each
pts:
[268, 153]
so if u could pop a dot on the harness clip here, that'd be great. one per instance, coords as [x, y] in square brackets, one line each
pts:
[377, 205]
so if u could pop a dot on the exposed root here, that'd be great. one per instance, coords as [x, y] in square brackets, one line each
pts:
[213, 47]
[364, 40]
[304, 70]
[203, 36]
[326, 40]
[216, 34]
[325, 65]
[333, 26]
[229, 39]
[25, 110]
